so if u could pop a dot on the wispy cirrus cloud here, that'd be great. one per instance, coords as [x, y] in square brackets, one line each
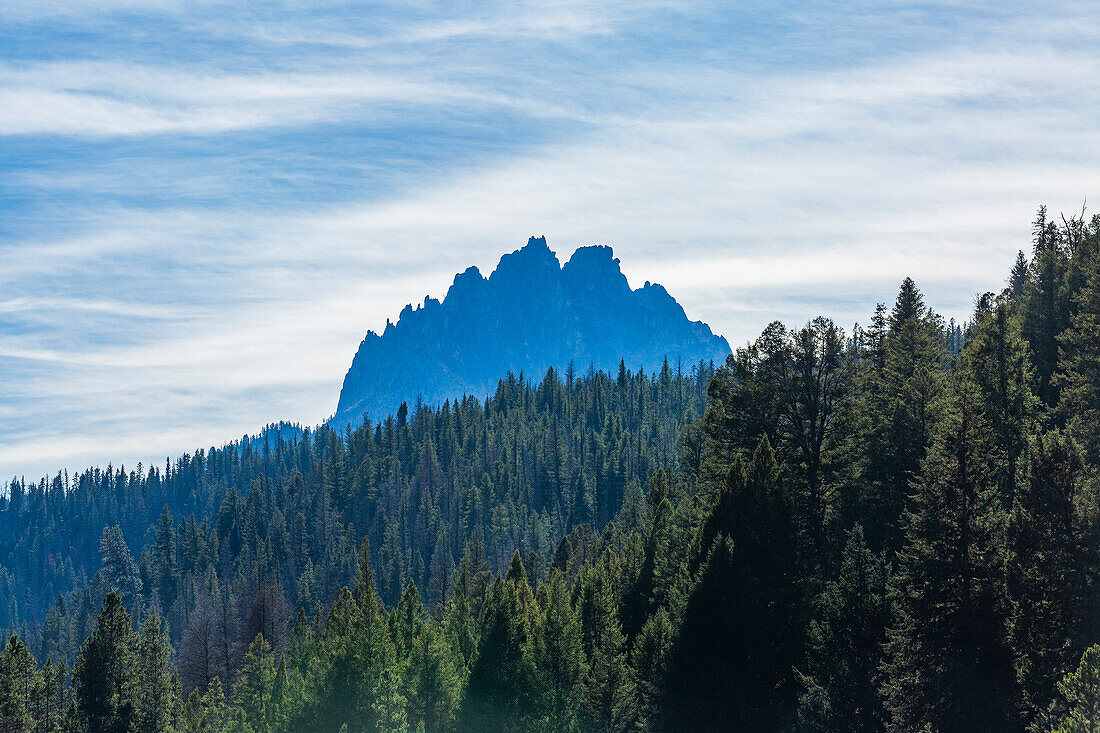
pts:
[104, 98]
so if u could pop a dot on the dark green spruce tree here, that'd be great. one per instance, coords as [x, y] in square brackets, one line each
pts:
[650, 662]
[500, 693]
[1079, 379]
[1049, 552]
[901, 389]
[745, 615]
[1045, 308]
[104, 677]
[609, 683]
[949, 667]
[996, 362]
[18, 685]
[435, 683]
[847, 641]
[559, 656]
[157, 693]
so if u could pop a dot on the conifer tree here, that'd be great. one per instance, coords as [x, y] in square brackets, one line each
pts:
[17, 687]
[650, 663]
[751, 586]
[1079, 380]
[840, 691]
[391, 565]
[1080, 693]
[208, 712]
[166, 569]
[948, 666]
[252, 693]
[388, 704]
[608, 684]
[442, 571]
[407, 621]
[649, 588]
[500, 687]
[1048, 551]
[692, 697]
[286, 694]
[50, 698]
[459, 627]
[435, 687]
[156, 693]
[365, 592]
[559, 656]
[900, 413]
[817, 385]
[157, 696]
[785, 387]
[1044, 306]
[119, 569]
[1018, 278]
[353, 651]
[517, 576]
[104, 674]
[996, 361]
[1078, 706]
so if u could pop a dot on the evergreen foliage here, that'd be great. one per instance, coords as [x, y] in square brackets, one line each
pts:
[841, 690]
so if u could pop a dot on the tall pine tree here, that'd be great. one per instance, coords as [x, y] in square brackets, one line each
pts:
[948, 667]
[746, 612]
[1048, 554]
[104, 674]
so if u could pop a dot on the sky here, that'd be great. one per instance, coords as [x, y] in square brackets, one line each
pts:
[204, 206]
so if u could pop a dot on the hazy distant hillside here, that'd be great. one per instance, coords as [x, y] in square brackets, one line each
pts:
[529, 314]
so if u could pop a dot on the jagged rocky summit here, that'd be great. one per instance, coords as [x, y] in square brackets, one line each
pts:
[531, 313]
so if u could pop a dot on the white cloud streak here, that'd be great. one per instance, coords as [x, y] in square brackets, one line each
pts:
[101, 98]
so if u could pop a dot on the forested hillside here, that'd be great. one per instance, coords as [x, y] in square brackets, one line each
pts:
[890, 529]
[517, 471]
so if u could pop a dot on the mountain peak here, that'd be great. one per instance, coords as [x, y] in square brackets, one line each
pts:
[531, 260]
[597, 258]
[596, 267]
[531, 313]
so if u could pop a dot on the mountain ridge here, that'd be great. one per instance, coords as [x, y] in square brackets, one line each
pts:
[529, 314]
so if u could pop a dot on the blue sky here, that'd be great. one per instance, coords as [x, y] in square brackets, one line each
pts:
[204, 206]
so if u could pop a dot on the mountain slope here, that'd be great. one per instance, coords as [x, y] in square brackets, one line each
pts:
[531, 313]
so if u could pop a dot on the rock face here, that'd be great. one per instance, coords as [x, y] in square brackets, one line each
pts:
[531, 313]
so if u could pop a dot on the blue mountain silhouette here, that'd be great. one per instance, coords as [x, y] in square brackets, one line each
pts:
[531, 313]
